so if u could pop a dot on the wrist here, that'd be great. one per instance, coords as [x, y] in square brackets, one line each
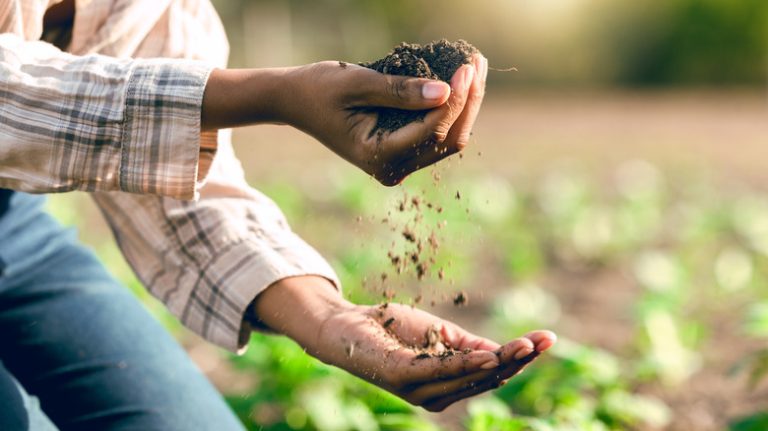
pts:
[298, 307]
[241, 97]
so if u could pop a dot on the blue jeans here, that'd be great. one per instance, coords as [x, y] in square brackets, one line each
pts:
[77, 350]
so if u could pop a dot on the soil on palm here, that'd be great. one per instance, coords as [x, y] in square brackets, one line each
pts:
[436, 60]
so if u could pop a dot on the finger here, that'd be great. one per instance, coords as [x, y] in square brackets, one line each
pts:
[460, 339]
[520, 349]
[369, 88]
[458, 136]
[415, 368]
[542, 339]
[475, 387]
[441, 403]
[419, 144]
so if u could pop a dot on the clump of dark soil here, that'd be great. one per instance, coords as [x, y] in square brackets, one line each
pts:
[435, 60]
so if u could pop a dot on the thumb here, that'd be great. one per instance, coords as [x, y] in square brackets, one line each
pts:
[372, 88]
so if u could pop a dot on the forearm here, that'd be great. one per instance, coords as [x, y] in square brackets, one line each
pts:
[298, 306]
[241, 97]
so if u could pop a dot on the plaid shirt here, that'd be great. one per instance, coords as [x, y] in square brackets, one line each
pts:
[117, 116]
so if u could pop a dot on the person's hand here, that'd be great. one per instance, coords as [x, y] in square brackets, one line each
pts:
[333, 103]
[421, 358]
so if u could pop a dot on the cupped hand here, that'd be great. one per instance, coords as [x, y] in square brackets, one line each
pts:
[333, 102]
[421, 358]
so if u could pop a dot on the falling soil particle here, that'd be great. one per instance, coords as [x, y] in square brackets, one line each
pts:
[395, 259]
[435, 60]
[421, 270]
[434, 243]
[460, 299]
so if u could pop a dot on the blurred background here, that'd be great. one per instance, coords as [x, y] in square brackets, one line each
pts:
[614, 191]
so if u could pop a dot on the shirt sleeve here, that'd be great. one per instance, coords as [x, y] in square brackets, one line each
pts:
[97, 123]
[129, 130]
[208, 259]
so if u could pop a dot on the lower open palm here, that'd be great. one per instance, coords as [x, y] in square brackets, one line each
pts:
[423, 359]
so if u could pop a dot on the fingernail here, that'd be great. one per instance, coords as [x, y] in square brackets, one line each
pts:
[489, 365]
[478, 63]
[469, 73]
[434, 90]
[525, 351]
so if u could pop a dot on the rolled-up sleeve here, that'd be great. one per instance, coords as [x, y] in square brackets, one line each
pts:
[91, 122]
[207, 260]
[127, 127]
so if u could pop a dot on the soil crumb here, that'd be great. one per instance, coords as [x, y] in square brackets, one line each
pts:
[460, 299]
[436, 60]
[435, 347]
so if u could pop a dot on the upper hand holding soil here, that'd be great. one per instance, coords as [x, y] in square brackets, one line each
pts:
[340, 103]
[351, 108]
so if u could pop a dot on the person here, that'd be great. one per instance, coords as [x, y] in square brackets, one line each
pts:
[130, 100]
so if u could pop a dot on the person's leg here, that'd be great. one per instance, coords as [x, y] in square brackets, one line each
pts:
[84, 345]
[13, 414]
[20, 410]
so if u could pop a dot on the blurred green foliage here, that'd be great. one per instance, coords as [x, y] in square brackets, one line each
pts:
[691, 42]
[552, 42]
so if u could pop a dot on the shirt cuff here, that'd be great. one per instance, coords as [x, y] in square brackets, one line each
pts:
[161, 137]
[236, 276]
